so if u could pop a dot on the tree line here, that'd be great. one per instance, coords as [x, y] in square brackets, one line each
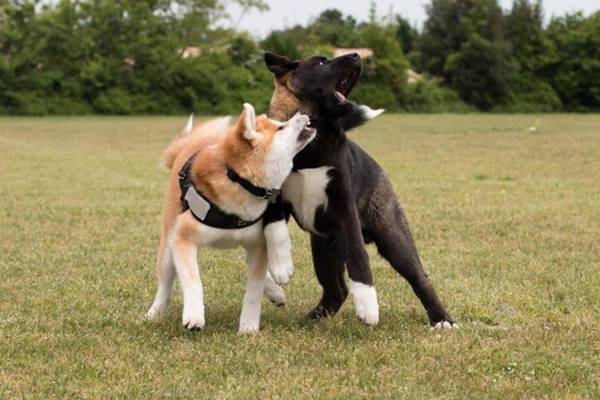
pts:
[173, 56]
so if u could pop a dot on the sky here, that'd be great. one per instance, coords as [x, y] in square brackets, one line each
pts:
[286, 13]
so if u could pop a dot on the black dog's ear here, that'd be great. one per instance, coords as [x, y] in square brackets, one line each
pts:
[279, 65]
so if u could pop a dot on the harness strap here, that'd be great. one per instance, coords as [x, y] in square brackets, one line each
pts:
[202, 208]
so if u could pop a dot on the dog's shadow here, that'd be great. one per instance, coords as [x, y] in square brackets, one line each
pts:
[223, 319]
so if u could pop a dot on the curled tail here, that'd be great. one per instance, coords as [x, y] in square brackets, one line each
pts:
[190, 135]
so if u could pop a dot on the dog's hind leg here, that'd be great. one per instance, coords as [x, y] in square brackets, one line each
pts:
[166, 275]
[184, 248]
[257, 272]
[328, 261]
[395, 243]
[165, 272]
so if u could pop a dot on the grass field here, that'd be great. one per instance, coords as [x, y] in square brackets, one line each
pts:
[507, 222]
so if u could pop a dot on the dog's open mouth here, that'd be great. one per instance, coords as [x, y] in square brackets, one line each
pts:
[344, 85]
[306, 134]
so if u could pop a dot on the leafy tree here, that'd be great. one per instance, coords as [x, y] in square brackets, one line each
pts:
[387, 68]
[406, 34]
[532, 51]
[478, 72]
[285, 42]
[332, 28]
[329, 30]
[574, 74]
[463, 42]
[116, 56]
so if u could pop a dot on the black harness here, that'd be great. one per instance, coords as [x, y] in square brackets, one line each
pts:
[209, 213]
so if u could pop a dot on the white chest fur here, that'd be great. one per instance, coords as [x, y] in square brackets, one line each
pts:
[229, 238]
[305, 190]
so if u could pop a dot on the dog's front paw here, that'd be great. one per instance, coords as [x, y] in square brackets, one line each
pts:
[193, 316]
[281, 270]
[274, 292]
[249, 326]
[364, 298]
[279, 252]
[155, 312]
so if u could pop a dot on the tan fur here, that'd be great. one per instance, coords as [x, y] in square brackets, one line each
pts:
[206, 131]
[249, 147]
[214, 151]
[284, 103]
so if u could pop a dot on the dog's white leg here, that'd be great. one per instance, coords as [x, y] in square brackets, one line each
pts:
[279, 251]
[273, 291]
[257, 271]
[166, 276]
[184, 256]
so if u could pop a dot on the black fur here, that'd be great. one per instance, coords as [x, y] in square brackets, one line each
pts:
[362, 207]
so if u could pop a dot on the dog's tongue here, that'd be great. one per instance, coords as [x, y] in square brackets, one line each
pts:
[340, 96]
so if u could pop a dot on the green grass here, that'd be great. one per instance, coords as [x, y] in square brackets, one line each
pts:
[507, 222]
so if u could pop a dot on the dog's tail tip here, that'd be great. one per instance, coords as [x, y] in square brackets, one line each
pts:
[369, 113]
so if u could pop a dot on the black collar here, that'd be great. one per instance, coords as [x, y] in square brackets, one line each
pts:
[261, 193]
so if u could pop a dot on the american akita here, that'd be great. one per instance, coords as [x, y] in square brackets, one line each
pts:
[340, 194]
[216, 197]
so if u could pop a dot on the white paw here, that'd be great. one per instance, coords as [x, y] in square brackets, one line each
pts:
[249, 326]
[155, 312]
[282, 271]
[364, 298]
[193, 316]
[444, 325]
[275, 293]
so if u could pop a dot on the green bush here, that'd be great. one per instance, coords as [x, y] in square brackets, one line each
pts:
[375, 95]
[429, 96]
[113, 101]
[25, 103]
[531, 95]
[67, 106]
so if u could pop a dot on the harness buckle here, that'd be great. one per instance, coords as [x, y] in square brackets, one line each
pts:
[271, 195]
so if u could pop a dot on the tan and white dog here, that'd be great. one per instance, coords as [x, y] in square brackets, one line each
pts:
[258, 149]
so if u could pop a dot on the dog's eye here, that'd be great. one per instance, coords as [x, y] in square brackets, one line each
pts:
[280, 128]
[321, 63]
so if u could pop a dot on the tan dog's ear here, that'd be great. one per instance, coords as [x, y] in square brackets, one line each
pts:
[247, 124]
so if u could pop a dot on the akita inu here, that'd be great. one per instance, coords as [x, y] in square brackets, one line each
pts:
[340, 194]
[222, 179]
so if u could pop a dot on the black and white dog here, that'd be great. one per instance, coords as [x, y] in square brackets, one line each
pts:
[340, 194]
